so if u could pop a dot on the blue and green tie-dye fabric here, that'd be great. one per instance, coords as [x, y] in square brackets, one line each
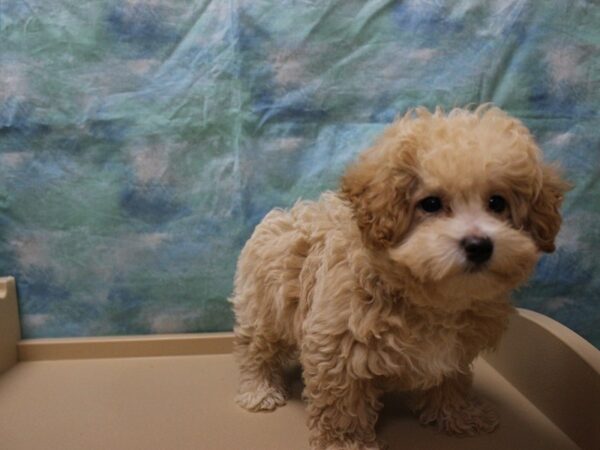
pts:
[141, 141]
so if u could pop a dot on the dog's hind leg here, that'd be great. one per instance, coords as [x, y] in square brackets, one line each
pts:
[265, 299]
[261, 363]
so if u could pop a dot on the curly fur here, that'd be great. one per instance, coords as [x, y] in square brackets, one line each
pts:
[372, 294]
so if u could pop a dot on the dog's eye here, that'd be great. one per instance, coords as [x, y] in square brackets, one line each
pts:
[497, 203]
[431, 204]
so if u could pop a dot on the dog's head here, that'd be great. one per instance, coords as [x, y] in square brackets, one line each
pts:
[462, 202]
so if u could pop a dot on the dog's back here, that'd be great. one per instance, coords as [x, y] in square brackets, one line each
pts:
[277, 266]
[274, 281]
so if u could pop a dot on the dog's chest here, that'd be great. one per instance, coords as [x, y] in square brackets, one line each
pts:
[421, 361]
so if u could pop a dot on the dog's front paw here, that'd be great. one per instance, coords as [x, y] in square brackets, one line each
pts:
[469, 418]
[353, 446]
[262, 398]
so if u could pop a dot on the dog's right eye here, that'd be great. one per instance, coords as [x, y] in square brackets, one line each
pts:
[431, 204]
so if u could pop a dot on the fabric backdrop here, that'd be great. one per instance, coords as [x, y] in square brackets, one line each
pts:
[141, 141]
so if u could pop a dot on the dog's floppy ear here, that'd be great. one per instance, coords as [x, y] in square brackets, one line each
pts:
[544, 218]
[378, 187]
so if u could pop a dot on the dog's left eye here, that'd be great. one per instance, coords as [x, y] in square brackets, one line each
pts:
[431, 204]
[497, 203]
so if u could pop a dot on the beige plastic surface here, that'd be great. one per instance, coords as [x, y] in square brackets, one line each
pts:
[186, 402]
[95, 394]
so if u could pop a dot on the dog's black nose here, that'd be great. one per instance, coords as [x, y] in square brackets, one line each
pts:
[478, 249]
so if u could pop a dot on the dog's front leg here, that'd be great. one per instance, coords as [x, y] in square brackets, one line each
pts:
[342, 406]
[453, 408]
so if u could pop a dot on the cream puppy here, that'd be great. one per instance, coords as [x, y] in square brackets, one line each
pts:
[399, 279]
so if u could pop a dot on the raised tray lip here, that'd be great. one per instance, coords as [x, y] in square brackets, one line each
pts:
[222, 343]
[584, 349]
[183, 344]
[189, 343]
[10, 327]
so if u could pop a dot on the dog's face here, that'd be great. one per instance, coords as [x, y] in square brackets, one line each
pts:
[461, 202]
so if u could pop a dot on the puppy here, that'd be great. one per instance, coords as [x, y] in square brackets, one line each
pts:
[399, 279]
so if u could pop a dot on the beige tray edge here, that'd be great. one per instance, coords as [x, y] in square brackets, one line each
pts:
[10, 331]
[125, 346]
[557, 370]
[585, 350]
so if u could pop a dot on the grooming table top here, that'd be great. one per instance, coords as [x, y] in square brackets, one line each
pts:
[176, 392]
[186, 402]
